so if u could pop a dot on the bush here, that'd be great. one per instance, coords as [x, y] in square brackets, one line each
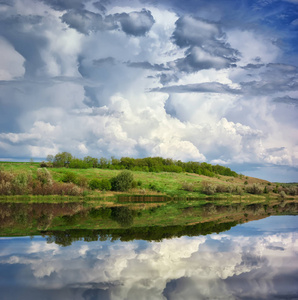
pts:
[105, 185]
[44, 176]
[82, 181]
[95, 184]
[186, 186]
[254, 189]
[44, 164]
[20, 184]
[70, 177]
[122, 182]
[208, 188]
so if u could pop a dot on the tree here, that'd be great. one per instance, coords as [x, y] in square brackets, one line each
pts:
[62, 159]
[50, 158]
[122, 182]
[91, 161]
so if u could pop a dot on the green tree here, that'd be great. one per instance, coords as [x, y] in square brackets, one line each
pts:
[62, 159]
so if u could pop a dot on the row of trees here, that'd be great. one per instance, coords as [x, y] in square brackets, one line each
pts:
[148, 164]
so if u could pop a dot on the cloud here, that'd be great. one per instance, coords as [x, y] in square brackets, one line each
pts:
[135, 23]
[207, 46]
[147, 66]
[65, 4]
[103, 61]
[253, 66]
[206, 87]
[83, 21]
[101, 5]
[286, 100]
[11, 62]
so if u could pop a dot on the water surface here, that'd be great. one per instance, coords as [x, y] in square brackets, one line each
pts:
[256, 260]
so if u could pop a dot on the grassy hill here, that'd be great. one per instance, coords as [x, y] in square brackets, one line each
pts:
[26, 178]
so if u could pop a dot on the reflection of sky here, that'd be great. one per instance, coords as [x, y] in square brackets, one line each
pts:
[232, 265]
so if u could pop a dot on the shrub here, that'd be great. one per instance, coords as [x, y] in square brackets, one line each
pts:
[95, 184]
[105, 185]
[44, 176]
[254, 189]
[122, 182]
[44, 164]
[186, 186]
[208, 188]
[20, 183]
[82, 181]
[70, 177]
[292, 191]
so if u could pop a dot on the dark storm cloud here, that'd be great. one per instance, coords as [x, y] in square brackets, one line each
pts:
[166, 78]
[253, 66]
[284, 68]
[135, 23]
[287, 100]
[101, 5]
[103, 61]
[147, 66]
[275, 78]
[65, 4]
[83, 21]
[265, 88]
[207, 87]
[206, 43]
[198, 59]
[7, 2]
[28, 44]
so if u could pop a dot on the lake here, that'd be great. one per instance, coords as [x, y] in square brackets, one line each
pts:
[255, 260]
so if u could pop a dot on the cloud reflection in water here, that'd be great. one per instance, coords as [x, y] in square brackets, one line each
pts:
[251, 261]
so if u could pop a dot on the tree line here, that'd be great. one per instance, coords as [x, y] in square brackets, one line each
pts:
[147, 164]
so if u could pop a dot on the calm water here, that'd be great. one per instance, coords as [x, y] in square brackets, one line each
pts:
[256, 260]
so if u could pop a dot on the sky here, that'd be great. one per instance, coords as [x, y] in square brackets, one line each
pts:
[198, 80]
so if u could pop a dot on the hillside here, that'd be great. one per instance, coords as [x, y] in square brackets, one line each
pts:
[30, 179]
